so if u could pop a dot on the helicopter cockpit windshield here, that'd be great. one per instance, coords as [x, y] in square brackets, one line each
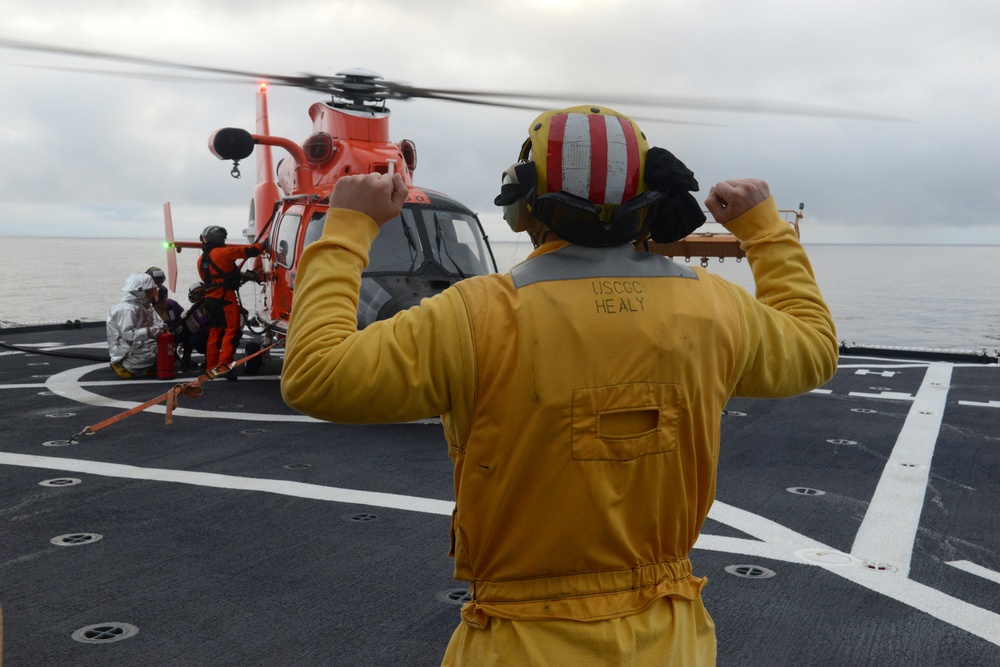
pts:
[449, 239]
[456, 244]
[421, 252]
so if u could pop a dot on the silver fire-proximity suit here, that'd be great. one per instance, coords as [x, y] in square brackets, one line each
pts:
[133, 325]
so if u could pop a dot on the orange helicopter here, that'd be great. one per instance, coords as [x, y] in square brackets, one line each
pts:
[435, 242]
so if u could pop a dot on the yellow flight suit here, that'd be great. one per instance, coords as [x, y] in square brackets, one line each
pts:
[581, 396]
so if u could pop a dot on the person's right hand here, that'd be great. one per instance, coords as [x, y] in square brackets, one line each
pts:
[379, 196]
[728, 200]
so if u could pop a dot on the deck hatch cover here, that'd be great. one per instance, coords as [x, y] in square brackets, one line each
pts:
[455, 596]
[750, 571]
[105, 633]
[75, 539]
[805, 491]
[60, 481]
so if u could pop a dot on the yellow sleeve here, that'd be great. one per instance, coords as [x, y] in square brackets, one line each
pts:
[789, 337]
[418, 364]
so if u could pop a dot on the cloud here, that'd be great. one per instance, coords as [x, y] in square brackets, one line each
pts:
[98, 155]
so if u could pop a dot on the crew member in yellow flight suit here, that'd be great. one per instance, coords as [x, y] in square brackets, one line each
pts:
[581, 393]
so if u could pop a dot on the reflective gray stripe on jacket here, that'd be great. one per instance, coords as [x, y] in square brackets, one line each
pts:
[575, 261]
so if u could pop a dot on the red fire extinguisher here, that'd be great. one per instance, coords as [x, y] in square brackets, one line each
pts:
[165, 355]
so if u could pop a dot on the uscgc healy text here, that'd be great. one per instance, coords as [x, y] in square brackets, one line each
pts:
[620, 296]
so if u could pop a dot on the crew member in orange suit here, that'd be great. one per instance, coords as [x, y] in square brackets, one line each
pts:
[222, 278]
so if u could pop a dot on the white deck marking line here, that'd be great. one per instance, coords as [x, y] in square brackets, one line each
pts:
[919, 364]
[745, 547]
[775, 541]
[887, 364]
[888, 395]
[279, 352]
[120, 383]
[980, 622]
[213, 480]
[989, 404]
[47, 345]
[890, 524]
[977, 570]
[67, 385]
[166, 383]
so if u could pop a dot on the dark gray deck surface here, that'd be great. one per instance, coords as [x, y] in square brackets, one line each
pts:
[223, 539]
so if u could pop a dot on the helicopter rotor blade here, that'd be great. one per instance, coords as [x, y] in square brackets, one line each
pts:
[738, 105]
[324, 84]
[152, 62]
[145, 76]
[540, 108]
[365, 85]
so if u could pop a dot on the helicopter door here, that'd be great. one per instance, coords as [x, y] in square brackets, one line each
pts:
[283, 254]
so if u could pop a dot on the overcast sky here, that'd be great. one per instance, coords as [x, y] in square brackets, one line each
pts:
[89, 155]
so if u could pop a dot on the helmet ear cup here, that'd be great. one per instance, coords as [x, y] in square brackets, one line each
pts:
[517, 183]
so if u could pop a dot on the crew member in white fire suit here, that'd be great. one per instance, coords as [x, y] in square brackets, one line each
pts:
[132, 328]
[581, 393]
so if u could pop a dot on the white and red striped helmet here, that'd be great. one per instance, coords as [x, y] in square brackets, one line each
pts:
[592, 152]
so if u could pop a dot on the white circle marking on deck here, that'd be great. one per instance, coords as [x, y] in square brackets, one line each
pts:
[67, 384]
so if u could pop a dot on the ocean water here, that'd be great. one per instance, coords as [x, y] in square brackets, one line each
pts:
[945, 297]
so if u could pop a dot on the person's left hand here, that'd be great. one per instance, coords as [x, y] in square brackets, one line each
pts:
[379, 196]
[728, 200]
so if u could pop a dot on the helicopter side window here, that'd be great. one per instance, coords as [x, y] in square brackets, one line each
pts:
[396, 249]
[315, 228]
[284, 244]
